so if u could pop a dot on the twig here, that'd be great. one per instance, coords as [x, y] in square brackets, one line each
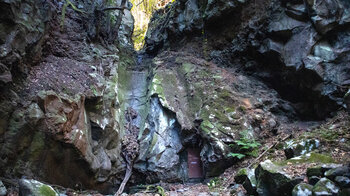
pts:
[273, 145]
[140, 3]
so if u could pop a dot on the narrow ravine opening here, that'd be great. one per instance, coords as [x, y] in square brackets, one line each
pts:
[142, 11]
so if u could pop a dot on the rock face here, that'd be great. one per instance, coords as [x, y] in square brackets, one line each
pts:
[212, 106]
[67, 74]
[160, 145]
[59, 85]
[300, 49]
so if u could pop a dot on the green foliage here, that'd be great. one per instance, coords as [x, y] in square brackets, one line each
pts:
[238, 155]
[138, 37]
[160, 190]
[247, 146]
[151, 189]
[214, 184]
[94, 90]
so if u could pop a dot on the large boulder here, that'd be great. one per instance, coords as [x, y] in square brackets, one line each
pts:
[246, 177]
[296, 148]
[35, 188]
[325, 187]
[272, 180]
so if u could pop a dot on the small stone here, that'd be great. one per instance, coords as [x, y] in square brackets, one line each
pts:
[203, 194]
[173, 193]
[302, 189]
[214, 194]
[3, 190]
[325, 187]
[342, 181]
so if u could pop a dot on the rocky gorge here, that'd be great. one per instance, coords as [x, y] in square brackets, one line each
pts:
[234, 97]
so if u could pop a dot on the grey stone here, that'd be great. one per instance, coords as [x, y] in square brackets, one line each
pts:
[302, 189]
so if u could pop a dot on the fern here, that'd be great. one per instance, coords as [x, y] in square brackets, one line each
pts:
[161, 191]
[238, 155]
[247, 146]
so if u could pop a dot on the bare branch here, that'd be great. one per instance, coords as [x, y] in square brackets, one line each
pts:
[114, 8]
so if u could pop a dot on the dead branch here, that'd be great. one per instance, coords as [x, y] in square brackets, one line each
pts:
[113, 8]
[273, 145]
[140, 3]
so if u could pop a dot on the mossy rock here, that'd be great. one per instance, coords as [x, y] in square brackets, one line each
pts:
[325, 187]
[272, 180]
[320, 170]
[46, 190]
[309, 158]
[246, 177]
[302, 189]
[35, 188]
[300, 147]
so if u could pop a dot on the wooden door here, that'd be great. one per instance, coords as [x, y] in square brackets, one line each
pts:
[194, 163]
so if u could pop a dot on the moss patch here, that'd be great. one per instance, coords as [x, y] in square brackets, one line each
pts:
[309, 158]
[45, 190]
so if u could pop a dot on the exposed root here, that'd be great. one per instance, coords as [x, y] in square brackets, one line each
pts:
[130, 148]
